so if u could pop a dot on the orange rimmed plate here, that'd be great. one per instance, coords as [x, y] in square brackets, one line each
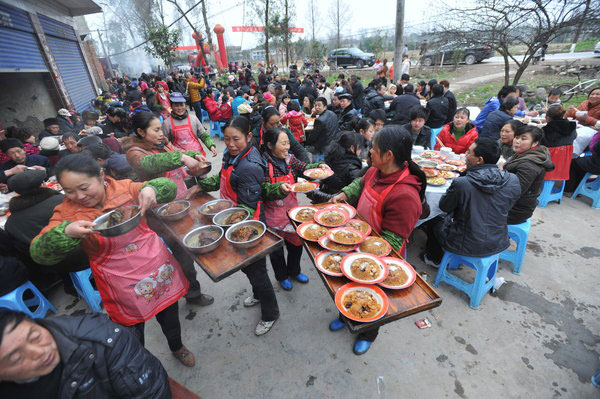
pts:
[293, 213]
[359, 225]
[302, 186]
[388, 247]
[374, 290]
[319, 215]
[302, 228]
[318, 173]
[402, 264]
[359, 235]
[334, 246]
[350, 258]
[348, 208]
[320, 258]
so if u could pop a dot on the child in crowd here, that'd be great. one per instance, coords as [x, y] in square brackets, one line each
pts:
[295, 121]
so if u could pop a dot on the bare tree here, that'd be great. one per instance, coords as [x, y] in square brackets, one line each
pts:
[314, 11]
[184, 15]
[340, 15]
[504, 24]
[264, 11]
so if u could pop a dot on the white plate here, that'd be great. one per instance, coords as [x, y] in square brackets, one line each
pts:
[408, 269]
[321, 257]
[347, 263]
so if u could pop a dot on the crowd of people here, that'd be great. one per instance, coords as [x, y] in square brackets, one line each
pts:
[143, 141]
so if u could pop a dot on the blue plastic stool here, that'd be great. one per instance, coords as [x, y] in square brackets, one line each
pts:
[84, 288]
[550, 192]
[204, 115]
[434, 134]
[14, 301]
[485, 267]
[589, 189]
[520, 234]
[215, 129]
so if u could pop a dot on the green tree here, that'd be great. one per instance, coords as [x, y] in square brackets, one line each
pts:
[161, 42]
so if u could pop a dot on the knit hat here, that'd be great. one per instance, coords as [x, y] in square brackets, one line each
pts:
[89, 141]
[64, 112]
[244, 108]
[269, 97]
[95, 130]
[11, 143]
[49, 144]
[26, 181]
[50, 121]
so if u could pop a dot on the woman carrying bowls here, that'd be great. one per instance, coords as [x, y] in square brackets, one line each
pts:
[138, 278]
[285, 168]
[151, 156]
[242, 181]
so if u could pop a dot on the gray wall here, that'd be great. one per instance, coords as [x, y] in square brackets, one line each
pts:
[25, 100]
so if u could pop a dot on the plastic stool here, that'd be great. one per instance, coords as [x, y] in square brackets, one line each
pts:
[204, 115]
[14, 300]
[83, 286]
[520, 234]
[215, 129]
[589, 189]
[485, 267]
[550, 192]
[434, 134]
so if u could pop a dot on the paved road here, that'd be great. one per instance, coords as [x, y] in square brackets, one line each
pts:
[549, 57]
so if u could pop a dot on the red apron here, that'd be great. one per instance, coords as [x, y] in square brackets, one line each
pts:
[177, 175]
[561, 157]
[164, 101]
[136, 275]
[184, 137]
[276, 211]
[227, 192]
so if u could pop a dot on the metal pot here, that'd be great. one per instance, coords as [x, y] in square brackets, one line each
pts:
[118, 229]
[246, 244]
[175, 216]
[219, 218]
[206, 248]
[202, 209]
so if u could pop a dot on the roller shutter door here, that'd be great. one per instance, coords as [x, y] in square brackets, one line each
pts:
[19, 49]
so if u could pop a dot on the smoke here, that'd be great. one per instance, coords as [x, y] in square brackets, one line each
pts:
[135, 62]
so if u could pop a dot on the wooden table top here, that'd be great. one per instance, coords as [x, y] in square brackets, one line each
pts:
[226, 259]
[418, 297]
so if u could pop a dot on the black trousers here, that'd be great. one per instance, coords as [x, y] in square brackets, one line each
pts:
[290, 268]
[433, 248]
[262, 289]
[369, 335]
[169, 323]
[579, 167]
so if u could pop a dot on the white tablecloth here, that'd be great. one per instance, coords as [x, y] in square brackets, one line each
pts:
[433, 195]
[584, 136]
[4, 199]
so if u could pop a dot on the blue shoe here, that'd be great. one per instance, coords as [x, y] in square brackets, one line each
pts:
[336, 325]
[596, 379]
[286, 284]
[301, 278]
[361, 346]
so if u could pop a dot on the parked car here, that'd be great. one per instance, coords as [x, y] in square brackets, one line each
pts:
[344, 57]
[467, 54]
[597, 48]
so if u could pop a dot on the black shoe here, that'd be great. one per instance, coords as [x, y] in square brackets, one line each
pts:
[202, 300]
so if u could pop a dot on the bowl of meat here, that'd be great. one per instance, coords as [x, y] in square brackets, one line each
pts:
[174, 210]
[231, 216]
[203, 239]
[211, 208]
[118, 221]
[246, 234]
[205, 168]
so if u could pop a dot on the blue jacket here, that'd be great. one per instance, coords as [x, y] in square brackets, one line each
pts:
[491, 105]
[237, 101]
[493, 124]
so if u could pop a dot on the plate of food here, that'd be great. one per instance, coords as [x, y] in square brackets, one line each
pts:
[119, 221]
[375, 246]
[311, 231]
[417, 159]
[318, 173]
[246, 234]
[427, 164]
[332, 217]
[429, 154]
[430, 172]
[436, 181]
[348, 208]
[230, 216]
[400, 274]
[330, 262]
[304, 186]
[447, 167]
[360, 225]
[461, 168]
[334, 246]
[361, 302]
[302, 213]
[364, 268]
[455, 162]
[447, 175]
[345, 235]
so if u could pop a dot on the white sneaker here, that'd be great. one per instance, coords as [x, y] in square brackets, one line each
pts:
[251, 301]
[430, 262]
[263, 327]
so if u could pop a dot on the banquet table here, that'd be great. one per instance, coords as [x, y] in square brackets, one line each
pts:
[584, 136]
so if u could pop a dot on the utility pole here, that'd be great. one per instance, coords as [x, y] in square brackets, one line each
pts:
[110, 71]
[287, 36]
[267, 27]
[399, 44]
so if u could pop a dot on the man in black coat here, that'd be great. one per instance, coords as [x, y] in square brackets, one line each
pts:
[292, 85]
[85, 356]
[19, 160]
[477, 206]
[357, 91]
[325, 129]
[64, 121]
[451, 100]
[347, 113]
[438, 107]
[307, 89]
[403, 103]
[375, 99]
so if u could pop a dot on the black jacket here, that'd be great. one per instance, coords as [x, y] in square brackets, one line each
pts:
[451, 105]
[134, 95]
[306, 90]
[346, 117]
[13, 272]
[493, 124]
[65, 125]
[30, 160]
[248, 175]
[346, 168]
[559, 133]
[530, 168]
[402, 105]
[438, 111]
[358, 94]
[101, 359]
[324, 132]
[422, 137]
[477, 205]
[374, 100]
[292, 87]
[117, 128]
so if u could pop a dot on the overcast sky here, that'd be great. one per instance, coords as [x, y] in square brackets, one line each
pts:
[364, 14]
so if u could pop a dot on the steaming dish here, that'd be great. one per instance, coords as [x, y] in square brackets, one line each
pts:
[173, 208]
[218, 207]
[365, 269]
[361, 304]
[235, 217]
[204, 238]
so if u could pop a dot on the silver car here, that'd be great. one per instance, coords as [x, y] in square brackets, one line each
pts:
[597, 48]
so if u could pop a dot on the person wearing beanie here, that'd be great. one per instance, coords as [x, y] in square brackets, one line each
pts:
[19, 160]
[51, 129]
[50, 147]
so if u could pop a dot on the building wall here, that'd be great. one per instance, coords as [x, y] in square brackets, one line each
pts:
[29, 102]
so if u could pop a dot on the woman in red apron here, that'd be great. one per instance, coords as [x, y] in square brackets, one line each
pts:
[162, 98]
[151, 156]
[284, 168]
[242, 180]
[138, 278]
[389, 196]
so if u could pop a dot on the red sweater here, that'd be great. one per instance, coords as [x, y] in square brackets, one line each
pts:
[402, 206]
[295, 121]
[461, 145]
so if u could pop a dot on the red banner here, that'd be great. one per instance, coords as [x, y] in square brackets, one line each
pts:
[261, 29]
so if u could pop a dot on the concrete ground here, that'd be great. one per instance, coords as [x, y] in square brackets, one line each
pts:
[539, 337]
